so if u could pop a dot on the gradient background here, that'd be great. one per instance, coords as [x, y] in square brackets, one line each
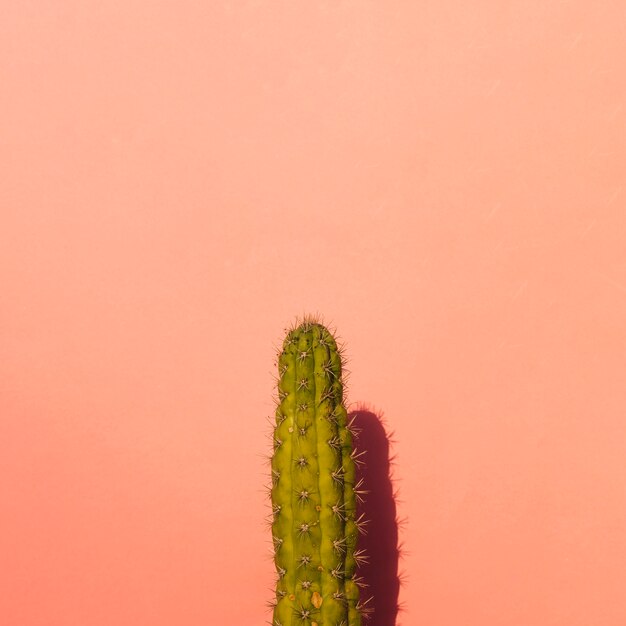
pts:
[442, 181]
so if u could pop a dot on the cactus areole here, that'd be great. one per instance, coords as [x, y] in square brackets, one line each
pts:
[314, 490]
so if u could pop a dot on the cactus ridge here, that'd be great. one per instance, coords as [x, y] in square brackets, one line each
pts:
[314, 491]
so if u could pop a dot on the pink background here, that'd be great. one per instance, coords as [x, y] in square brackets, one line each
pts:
[442, 181]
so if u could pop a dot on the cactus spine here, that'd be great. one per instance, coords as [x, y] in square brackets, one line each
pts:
[314, 519]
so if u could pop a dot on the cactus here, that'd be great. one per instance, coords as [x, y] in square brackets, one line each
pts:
[314, 491]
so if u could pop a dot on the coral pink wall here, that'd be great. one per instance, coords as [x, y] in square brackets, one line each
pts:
[442, 181]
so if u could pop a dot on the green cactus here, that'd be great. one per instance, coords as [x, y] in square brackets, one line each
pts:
[314, 491]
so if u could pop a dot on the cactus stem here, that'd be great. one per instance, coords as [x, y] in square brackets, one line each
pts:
[314, 491]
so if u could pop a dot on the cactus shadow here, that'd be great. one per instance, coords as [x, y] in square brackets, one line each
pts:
[379, 507]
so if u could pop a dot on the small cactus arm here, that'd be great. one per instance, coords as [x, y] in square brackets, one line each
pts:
[314, 490]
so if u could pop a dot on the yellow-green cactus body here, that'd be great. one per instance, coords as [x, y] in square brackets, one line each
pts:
[314, 519]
